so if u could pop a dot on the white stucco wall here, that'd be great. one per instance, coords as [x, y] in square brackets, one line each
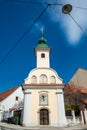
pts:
[34, 114]
[10, 100]
[39, 71]
[43, 62]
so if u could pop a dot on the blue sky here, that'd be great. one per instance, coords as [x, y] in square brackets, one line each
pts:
[67, 39]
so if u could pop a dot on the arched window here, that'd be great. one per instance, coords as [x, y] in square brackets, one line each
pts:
[34, 79]
[52, 79]
[43, 78]
[42, 55]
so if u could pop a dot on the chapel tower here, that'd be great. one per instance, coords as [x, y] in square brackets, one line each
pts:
[42, 52]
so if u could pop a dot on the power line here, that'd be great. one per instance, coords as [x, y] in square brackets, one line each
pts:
[78, 24]
[39, 3]
[60, 1]
[47, 5]
[51, 4]
[66, 10]
[18, 41]
[23, 1]
[79, 7]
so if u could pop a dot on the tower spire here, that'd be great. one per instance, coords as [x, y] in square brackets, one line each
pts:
[42, 31]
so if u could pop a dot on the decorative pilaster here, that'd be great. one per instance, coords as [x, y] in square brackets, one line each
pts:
[83, 117]
[61, 109]
[73, 115]
[26, 113]
[85, 112]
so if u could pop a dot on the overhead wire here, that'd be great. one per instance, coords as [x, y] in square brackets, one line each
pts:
[78, 24]
[79, 7]
[51, 4]
[38, 3]
[47, 5]
[23, 1]
[60, 1]
[67, 9]
[43, 1]
[18, 41]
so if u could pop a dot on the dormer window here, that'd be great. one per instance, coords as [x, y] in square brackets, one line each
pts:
[42, 55]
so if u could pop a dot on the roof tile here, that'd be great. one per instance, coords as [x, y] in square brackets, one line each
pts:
[7, 93]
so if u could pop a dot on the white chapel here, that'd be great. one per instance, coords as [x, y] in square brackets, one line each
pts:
[39, 101]
[43, 92]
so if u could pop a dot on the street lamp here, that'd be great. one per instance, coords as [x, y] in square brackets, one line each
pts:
[67, 9]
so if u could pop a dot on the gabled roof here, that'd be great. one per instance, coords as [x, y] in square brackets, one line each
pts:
[71, 88]
[7, 93]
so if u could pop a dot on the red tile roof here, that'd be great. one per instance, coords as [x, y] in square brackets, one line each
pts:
[7, 93]
[84, 101]
[78, 88]
[76, 93]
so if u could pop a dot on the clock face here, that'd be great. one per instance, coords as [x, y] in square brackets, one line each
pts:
[43, 99]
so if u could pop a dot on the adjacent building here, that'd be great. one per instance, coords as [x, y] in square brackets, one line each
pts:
[80, 78]
[10, 101]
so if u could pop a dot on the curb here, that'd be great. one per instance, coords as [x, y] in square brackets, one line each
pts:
[15, 127]
[18, 127]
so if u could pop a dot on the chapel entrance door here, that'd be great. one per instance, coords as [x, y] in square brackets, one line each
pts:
[44, 117]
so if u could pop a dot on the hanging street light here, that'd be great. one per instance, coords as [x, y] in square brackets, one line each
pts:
[67, 9]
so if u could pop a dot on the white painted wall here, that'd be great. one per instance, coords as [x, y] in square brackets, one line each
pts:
[43, 62]
[39, 71]
[10, 101]
[54, 107]
[61, 109]
[27, 104]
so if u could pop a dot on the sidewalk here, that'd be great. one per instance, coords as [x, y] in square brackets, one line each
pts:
[18, 127]
[76, 127]
[12, 126]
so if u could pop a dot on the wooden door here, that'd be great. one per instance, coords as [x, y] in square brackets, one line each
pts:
[44, 117]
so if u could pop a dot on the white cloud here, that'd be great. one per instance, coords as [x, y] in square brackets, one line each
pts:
[72, 30]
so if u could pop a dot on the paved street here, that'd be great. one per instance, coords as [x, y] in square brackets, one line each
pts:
[5, 126]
